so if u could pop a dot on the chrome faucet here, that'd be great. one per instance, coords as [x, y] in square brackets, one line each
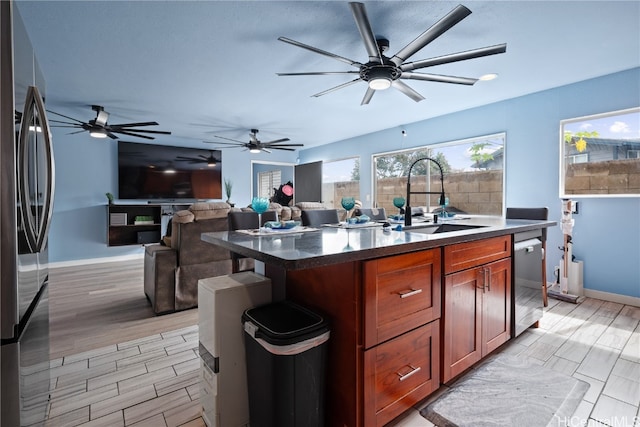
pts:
[441, 201]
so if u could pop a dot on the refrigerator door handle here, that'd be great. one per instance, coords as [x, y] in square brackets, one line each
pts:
[35, 182]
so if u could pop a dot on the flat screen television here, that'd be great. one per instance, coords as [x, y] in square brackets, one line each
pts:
[154, 172]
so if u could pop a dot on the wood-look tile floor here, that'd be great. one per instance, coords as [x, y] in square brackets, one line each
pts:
[114, 367]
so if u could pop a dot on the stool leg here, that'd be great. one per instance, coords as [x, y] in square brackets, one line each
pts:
[545, 299]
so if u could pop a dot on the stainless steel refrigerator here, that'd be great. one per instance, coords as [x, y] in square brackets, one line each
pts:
[26, 201]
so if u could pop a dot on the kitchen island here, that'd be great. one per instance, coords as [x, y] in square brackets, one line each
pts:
[409, 310]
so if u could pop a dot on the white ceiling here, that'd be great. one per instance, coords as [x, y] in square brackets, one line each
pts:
[205, 68]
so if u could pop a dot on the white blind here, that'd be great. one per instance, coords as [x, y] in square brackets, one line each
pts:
[267, 181]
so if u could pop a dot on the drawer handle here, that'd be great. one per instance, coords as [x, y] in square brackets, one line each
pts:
[408, 374]
[410, 292]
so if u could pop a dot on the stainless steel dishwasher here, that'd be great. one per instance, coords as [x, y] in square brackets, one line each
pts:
[527, 302]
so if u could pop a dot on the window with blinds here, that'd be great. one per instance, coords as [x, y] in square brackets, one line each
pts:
[267, 181]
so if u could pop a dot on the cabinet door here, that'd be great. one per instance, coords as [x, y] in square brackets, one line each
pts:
[399, 373]
[496, 305]
[462, 342]
[402, 292]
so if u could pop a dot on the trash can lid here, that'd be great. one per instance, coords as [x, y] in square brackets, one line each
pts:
[285, 322]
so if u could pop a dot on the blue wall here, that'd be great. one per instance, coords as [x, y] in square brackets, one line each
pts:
[87, 168]
[606, 234]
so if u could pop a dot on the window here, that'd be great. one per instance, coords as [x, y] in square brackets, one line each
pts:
[578, 158]
[340, 178]
[472, 168]
[267, 182]
[599, 155]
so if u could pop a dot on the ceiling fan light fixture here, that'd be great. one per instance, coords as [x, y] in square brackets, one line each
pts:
[254, 150]
[380, 83]
[98, 133]
[487, 77]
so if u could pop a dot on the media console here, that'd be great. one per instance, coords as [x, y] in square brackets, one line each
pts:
[138, 224]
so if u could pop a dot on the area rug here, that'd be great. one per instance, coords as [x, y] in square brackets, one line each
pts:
[508, 391]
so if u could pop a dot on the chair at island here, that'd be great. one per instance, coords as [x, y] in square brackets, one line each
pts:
[246, 220]
[376, 214]
[317, 217]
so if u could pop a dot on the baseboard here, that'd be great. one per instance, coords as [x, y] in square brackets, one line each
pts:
[607, 296]
[78, 262]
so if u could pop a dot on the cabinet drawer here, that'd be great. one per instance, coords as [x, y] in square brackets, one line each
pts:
[472, 254]
[401, 293]
[400, 373]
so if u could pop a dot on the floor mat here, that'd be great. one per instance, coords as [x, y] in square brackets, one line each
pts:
[508, 390]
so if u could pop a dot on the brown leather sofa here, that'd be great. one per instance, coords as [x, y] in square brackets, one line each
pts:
[171, 272]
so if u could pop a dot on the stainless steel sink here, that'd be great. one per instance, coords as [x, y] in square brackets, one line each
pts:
[439, 228]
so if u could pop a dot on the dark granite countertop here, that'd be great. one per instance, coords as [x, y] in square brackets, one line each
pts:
[334, 245]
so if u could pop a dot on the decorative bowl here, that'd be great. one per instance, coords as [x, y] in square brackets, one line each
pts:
[363, 219]
[281, 225]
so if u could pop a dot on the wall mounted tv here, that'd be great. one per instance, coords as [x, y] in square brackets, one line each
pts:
[152, 172]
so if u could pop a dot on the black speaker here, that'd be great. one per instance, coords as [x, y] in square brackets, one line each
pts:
[148, 237]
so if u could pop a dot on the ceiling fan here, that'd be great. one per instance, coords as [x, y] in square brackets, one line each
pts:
[381, 72]
[255, 145]
[210, 160]
[99, 128]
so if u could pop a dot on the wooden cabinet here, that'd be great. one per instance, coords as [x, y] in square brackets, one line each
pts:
[402, 308]
[476, 302]
[124, 229]
[400, 373]
[384, 350]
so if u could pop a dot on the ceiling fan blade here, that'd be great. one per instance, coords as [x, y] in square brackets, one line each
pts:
[343, 85]
[286, 145]
[439, 78]
[67, 125]
[128, 125]
[318, 73]
[66, 117]
[137, 135]
[454, 57]
[320, 51]
[436, 30]
[276, 141]
[229, 139]
[120, 130]
[280, 148]
[407, 90]
[364, 26]
[265, 150]
[367, 96]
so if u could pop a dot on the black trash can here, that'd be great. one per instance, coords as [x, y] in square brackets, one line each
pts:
[286, 351]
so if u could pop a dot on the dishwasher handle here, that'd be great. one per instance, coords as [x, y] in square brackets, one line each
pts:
[526, 245]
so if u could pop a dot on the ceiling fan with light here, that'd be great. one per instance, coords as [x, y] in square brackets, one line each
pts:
[99, 128]
[381, 72]
[255, 145]
[210, 160]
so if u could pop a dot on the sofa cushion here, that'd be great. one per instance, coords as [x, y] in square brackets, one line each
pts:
[209, 210]
[310, 205]
[182, 217]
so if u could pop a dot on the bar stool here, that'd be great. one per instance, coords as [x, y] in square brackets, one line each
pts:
[317, 217]
[246, 221]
